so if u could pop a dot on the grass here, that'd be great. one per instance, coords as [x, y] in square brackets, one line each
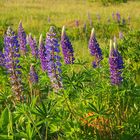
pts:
[88, 107]
[34, 14]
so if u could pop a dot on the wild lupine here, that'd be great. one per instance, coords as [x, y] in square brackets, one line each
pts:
[84, 28]
[90, 19]
[42, 54]
[49, 19]
[108, 19]
[118, 17]
[22, 39]
[33, 46]
[67, 48]
[120, 35]
[53, 60]
[123, 21]
[129, 18]
[11, 54]
[77, 23]
[33, 75]
[116, 65]
[95, 49]
[1, 59]
[98, 17]
[113, 16]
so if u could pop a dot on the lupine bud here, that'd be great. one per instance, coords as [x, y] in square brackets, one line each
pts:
[11, 54]
[95, 49]
[22, 39]
[53, 60]
[1, 59]
[33, 75]
[67, 48]
[116, 64]
[42, 54]
[33, 46]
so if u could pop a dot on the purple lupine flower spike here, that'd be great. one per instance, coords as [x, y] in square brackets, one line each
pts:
[22, 39]
[121, 35]
[98, 17]
[53, 60]
[33, 75]
[42, 54]
[118, 17]
[113, 16]
[11, 54]
[116, 64]
[67, 48]
[95, 49]
[33, 46]
[1, 59]
[123, 21]
[129, 18]
[77, 23]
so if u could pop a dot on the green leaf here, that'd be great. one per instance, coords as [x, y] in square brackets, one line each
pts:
[4, 119]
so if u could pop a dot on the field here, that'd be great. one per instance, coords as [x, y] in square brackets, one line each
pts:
[92, 92]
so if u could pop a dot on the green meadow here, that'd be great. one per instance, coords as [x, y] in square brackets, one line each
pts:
[88, 106]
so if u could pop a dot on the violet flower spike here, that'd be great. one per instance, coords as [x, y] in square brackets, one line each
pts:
[77, 23]
[1, 59]
[118, 17]
[33, 75]
[33, 46]
[42, 54]
[121, 36]
[22, 39]
[95, 49]
[116, 65]
[67, 48]
[53, 60]
[11, 54]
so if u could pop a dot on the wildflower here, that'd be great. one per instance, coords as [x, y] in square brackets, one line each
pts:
[1, 59]
[118, 17]
[84, 28]
[22, 39]
[123, 21]
[116, 64]
[33, 46]
[42, 54]
[98, 17]
[95, 49]
[77, 23]
[120, 35]
[49, 19]
[11, 54]
[67, 48]
[108, 19]
[113, 16]
[129, 18]
[33, 75]
[53, 60]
